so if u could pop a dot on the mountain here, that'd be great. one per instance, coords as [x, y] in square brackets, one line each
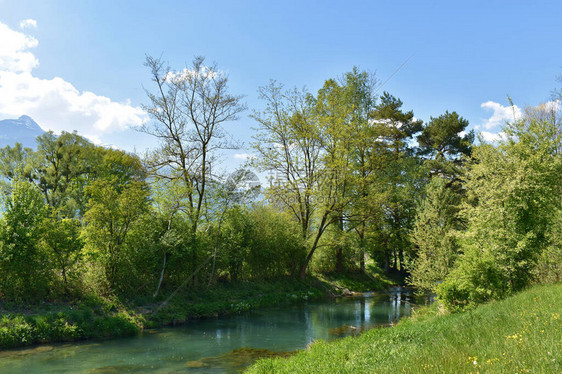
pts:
[23, 130]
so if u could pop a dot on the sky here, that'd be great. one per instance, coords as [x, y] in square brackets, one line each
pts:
[78, 65]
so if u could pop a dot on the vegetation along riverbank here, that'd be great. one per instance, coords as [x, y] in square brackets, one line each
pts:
[96, 317]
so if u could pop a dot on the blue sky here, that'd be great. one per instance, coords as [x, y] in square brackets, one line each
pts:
[464, 57]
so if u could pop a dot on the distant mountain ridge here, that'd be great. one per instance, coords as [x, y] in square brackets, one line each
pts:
[23, 130]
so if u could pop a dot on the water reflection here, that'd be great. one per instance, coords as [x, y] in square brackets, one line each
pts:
[213, 346]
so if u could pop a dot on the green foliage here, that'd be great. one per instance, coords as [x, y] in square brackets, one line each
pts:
[236, 234]
[396, 125]
[289, 143]
[334, 253]
[62, 243]
[13, 164]
[514, 190]
[277, 247]
[22, 262]
[549, 268]
[111, 214]
[443, 144]
[61, 167]
[476, 279]
[260, 243]
[434, 235]
[400, 174]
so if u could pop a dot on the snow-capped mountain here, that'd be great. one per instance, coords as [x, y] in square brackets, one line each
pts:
[23, 130]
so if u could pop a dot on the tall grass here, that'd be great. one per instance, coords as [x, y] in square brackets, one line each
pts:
[17, 330]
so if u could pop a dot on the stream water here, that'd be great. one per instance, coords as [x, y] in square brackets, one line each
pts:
[224, 345]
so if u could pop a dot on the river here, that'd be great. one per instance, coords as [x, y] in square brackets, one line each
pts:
[224, 345]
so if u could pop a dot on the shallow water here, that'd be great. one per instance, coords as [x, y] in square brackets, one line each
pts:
[213, 345]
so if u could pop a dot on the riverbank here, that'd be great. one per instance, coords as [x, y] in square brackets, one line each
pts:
[517, 335]
[102, 318]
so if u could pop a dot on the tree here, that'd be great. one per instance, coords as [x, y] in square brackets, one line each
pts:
[395, 128]
[351, 153]
[443, 145]
[434, 236]
[110, 216]
[61, 238]
[189, 109]
[62, 166]
[366, 155]
[13, 163]
[514, 193]
[445, 151]
[289, 145]
[236, 234]
[24, 274]
[169, 199]
[233, 191]
[336, 135]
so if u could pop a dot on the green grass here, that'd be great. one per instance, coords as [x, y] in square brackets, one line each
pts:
[372, 280]
[521, 334]
[66, 324]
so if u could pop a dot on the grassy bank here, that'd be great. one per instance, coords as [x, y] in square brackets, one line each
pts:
[106, 318]
[372, 279]
[522, 334]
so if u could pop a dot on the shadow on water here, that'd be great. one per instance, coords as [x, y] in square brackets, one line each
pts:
[221, 345]
[237, 359]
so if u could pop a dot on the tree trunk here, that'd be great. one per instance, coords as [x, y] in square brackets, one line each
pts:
[386, 262]
[339, 251]
[165, 258]
[304, 267]
[362, 249]
[362, 260]
[65, 280]
[321, 229]
[339, 259]
[161, 277]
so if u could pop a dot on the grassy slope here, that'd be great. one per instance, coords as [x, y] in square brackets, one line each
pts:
[522, 334]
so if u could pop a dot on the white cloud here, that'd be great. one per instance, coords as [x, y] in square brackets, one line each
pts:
[551, 106]
[500, 114]
[28, 23]
[13, 50]
[244, 156]
[55, 104]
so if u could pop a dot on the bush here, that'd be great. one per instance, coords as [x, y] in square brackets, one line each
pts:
[475, 280]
